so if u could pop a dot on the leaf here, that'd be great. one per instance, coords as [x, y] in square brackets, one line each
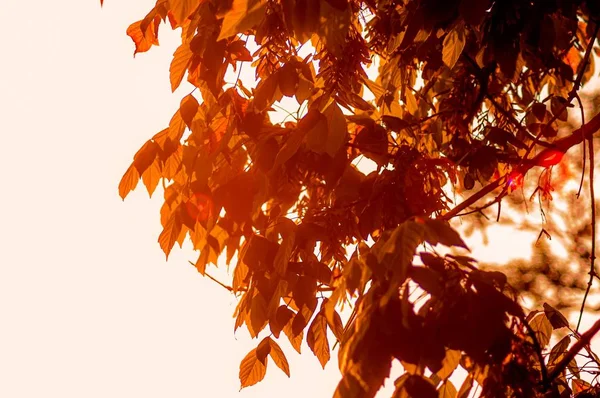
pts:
[394, 123]
[574, 368]
[188, 109]
[290, 147]
[542, 328]
[152, 176]
[558, 350]
[295, 339]
[449, 363]
[263, 350]
[466, 386]
[558, 107]
[439, 231]
[285, 250]
[258, 315]
[170, 233]
[447, 390]
[397, 253]
[337, 129]
[579, 386]
[288, 79]
[243, 15]
[179, 65]
[144, 40]
[539, 111]
[278, 357]
[417, 386]
[334, 27]
[317, 339]
[252, 370]
[128, 181]
[182, 9]
[145, 156]
[317, 136]
[335, 323]
[557, 319]
[454, 43]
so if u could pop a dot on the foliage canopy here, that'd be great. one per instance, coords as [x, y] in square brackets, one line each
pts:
[468, 98]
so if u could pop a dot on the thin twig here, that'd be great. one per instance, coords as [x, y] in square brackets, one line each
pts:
[582, 149]
[593, 222]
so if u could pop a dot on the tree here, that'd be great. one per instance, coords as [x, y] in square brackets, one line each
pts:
[470, 97]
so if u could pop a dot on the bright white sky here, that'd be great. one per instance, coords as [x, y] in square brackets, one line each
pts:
[89, 307]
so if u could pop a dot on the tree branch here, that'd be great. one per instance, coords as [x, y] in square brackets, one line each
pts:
[561, 146]
[583, 341]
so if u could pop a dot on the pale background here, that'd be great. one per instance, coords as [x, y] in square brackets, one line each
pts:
[88, 305]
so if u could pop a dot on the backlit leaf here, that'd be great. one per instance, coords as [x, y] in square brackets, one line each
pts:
[454, 43]
[252, 370]
[295, 339]
[128, 181]
[447, 390]
[152, 176]
[188, 109]
[170, 233]
[243, 15]
[179, 64]
[542, 328]
[290, 147]
[439, 231]
[182, 9]
[317, 339]
[558, 350]
[278, 357]
[466, 387]
[449, 364]
[145, 156]
[337, 129]
[143, 41]
[557, 319]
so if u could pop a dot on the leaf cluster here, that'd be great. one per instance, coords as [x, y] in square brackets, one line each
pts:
[465, 91]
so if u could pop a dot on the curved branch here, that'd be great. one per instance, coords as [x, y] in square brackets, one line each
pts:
[583, 341]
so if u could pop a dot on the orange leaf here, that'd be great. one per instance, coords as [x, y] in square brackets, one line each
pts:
[279, 357]
[143, 41]
[198, 236]
[176, 128]
[243, 15]
[151, 177]
[170, 233]
[317, 339]
[172, 164]
[129, 181]
[145, 156]
[252, 370]
[295, 339]
[188, 109]
[179, 64]
[182, 9]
